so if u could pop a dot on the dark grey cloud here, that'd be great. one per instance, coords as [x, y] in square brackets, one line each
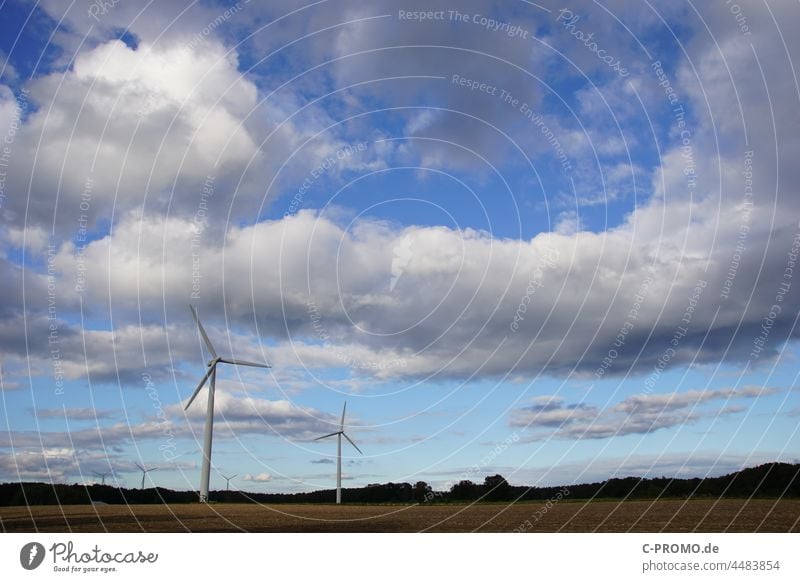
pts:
[633, 299]
[459, 291]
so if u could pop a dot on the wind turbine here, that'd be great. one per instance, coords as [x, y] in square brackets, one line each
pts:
[102, 476]
[228, 481]
[211, 372]
[339, 434]
[145, 472]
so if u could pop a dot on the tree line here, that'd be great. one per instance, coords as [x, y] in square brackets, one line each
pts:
[771, 480]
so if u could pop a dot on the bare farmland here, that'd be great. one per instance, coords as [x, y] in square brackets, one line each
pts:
[728, 515]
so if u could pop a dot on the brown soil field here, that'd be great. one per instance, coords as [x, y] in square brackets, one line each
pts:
[728, 515]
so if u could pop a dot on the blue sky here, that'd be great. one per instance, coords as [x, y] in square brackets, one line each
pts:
[560, 254]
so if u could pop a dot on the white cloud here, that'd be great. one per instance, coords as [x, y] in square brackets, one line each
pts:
[325, 292]
[239, 415]
[124, 123]
[260, 478]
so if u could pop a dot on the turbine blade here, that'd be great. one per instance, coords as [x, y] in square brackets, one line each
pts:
[326, 436]
[203, 332]
[344, 409]
[200, 385]
[352, 443]
[233, 476]
[243, 363]
[140, 467]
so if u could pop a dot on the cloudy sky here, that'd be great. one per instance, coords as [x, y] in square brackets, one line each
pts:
[557, 242]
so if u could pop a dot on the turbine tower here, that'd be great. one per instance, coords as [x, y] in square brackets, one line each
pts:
[102, 476]
[211, 372]
[339, 434]
[145, 472]
[228, 481]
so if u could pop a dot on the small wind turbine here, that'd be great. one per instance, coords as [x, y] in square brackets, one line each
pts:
[102, 476]
[339, 433]
[228, 481]
[211, 372]
[145, 472]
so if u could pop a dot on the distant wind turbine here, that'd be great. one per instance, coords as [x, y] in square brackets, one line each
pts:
[145, 472]
[211, 372]
[228, 481]
[102, 476]
[339, 433]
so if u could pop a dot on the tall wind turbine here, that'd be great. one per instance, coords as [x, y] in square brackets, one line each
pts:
[145, 472]
[228, 481]
[102, 476]
[211, 372]
[339, 434]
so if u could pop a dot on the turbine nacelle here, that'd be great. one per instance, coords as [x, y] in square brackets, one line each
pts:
[145, 471]
[344, 434]
[228, 481]
[102, 476]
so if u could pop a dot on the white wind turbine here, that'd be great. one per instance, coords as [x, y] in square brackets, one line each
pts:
[228, 481]
[211, 372]
[145, 472]
[339, 433]
[102, 476]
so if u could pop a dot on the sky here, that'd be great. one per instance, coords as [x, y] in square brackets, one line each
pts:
[555, 242]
